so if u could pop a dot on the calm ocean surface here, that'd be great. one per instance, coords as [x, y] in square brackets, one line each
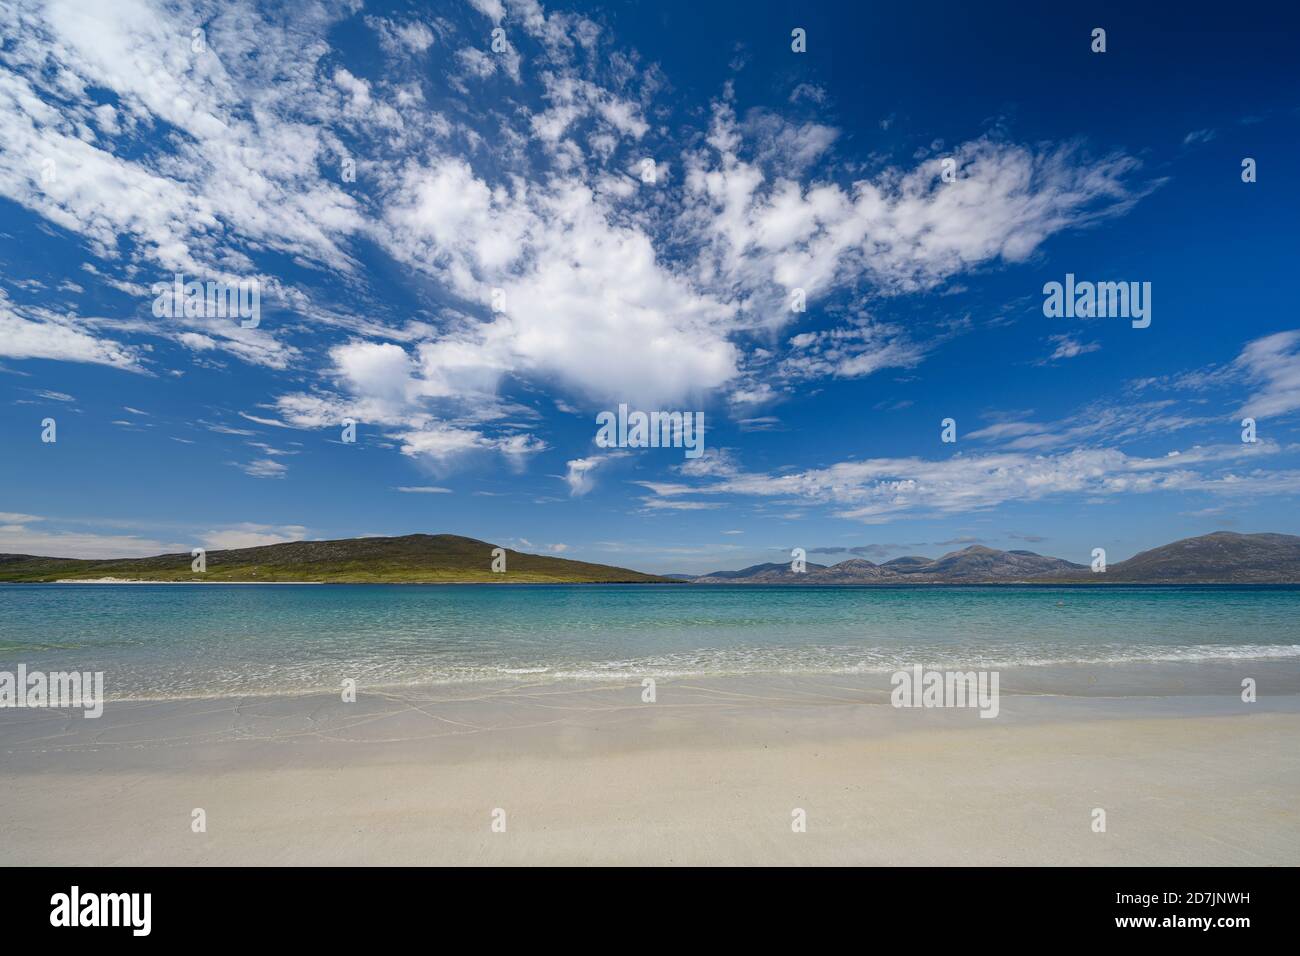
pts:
[180, 641]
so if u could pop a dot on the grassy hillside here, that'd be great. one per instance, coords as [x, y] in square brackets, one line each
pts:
[411, 559]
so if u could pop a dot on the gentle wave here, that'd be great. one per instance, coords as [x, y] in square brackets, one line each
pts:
[703, 665]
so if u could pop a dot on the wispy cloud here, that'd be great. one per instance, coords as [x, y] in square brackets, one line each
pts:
[1272, 365]
[1068, 347]
[263, 468]
[250, 535]
[885, 489]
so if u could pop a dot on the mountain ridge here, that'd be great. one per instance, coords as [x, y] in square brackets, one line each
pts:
[1221, 557]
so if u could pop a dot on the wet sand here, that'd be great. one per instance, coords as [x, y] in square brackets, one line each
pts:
[712, 772]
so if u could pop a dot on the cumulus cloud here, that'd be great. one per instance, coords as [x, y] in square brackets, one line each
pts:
[585, 300]
[558, 264]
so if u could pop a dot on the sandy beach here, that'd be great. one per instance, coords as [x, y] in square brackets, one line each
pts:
[710, 773]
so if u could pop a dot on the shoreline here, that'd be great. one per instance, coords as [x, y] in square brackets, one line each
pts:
[1119, 679]
[862, 586]
[710, 772]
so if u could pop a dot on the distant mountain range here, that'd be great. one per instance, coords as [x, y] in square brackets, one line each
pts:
[1220, 558]
[411, 559]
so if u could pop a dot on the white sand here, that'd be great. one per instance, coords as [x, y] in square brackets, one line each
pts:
[709, 774]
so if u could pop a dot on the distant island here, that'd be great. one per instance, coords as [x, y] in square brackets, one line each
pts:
[409, 559]
[1220, 558]
[1223, 557]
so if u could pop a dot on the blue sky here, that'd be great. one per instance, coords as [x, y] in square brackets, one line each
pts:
[133, 148]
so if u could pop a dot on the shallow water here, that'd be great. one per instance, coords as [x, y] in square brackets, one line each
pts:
[199, 640]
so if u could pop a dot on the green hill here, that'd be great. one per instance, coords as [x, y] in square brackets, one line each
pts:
[410, 559]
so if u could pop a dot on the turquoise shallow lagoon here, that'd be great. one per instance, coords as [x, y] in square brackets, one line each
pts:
[161, 641]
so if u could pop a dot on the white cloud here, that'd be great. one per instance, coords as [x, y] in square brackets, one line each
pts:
[879, 490]
[494, 10]
[264, 468]
[273, 452]
[272, 422]
[1273, 364]
[241, 171]
[17, 537]
[249, 535]
[1069, 347]
[40, 334]
[904, 230]
[586, 300]
[380, 371]
[662, 504]
[809, 92]
[243, 160]
[600, 303]
[396, 37]
[1100, 422]
[388, 388]
[579, 474]
[854, 350]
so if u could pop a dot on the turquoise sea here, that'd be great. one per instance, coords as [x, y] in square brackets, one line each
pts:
[160, 641]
